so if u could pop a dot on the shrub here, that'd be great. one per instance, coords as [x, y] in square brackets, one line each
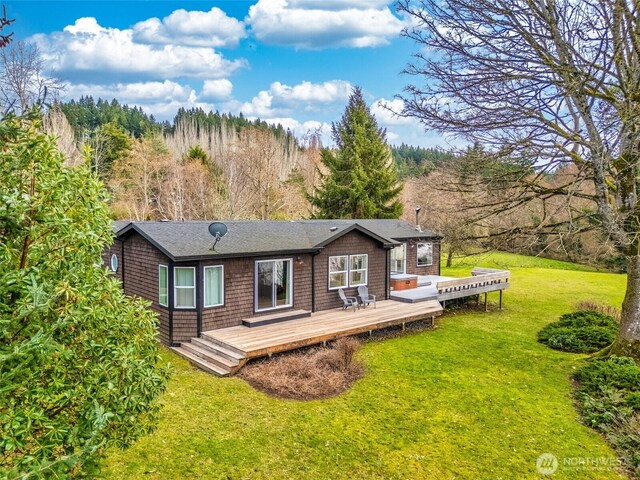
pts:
[346, 348]
[608, 395]
[581, 332]
[79, 362]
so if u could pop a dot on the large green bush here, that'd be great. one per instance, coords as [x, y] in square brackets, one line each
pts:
[580, 332]
[79, 363]
[609, 399]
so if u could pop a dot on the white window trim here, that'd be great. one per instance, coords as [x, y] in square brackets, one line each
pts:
[365, 270]
[175, 288]
[204, 285]
[166, 267]
[404, 260]
[346, 272]
[418, 264]
[255, 285]
[114, 264]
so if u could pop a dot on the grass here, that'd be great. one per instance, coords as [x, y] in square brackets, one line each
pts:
[478, 397]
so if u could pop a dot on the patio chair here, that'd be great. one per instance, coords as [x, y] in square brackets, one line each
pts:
[348, 301]
[365, 297]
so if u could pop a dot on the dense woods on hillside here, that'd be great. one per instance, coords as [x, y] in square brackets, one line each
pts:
[213, 165]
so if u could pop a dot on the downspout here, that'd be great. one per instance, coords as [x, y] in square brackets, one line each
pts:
[171, 294]
[313, 280]
[387, 256]
[199, 299]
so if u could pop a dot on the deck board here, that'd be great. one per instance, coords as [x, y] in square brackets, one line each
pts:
[321, 326]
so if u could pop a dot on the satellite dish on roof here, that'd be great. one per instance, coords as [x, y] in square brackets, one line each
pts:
[217, 230]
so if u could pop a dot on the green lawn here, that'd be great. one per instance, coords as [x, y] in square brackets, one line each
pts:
[477, 398]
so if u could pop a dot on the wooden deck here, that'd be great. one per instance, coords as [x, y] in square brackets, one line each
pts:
[320, 327]
[226, 350]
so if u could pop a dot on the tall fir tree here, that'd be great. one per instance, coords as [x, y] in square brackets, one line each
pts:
[362, 181]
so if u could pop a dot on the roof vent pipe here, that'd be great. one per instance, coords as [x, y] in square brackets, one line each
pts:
[418, 219]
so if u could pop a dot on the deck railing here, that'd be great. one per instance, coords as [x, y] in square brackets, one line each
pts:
[480, 279]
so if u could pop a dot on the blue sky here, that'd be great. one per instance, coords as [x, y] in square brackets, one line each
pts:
[287, 61]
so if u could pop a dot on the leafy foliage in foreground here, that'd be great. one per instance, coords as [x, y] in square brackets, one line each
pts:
[78, 360]
[580, 332]
[609, 400]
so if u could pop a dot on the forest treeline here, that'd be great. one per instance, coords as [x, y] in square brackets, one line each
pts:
[205, 165]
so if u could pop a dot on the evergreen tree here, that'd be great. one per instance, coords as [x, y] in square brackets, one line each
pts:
[362, 181]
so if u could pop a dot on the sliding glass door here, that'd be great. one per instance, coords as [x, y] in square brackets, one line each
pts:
[274, 286]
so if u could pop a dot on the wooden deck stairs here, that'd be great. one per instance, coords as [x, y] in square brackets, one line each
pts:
[212, 355]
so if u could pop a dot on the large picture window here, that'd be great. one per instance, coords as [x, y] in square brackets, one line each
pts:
[425, 254]
[213, 286]
[184, 287]
[398, 257]
[163, 285]
[274, 284]
[348, 271]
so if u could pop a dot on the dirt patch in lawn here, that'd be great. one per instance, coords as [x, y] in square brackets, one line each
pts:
[308, 375]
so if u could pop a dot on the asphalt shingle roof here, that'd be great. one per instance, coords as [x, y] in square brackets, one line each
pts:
[182, 240]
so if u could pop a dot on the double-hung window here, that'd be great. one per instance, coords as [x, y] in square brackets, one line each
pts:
[213, 286]
[338, 271]
[184, 287]
[424, 254]
[348, 271]
[358, 270]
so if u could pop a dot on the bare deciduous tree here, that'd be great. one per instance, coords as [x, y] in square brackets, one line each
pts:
[545, 83]
[261, 169]
[56, 124]
[5, 38]
[23, 81]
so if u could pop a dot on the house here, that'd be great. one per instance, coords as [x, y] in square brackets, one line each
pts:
[261, 270]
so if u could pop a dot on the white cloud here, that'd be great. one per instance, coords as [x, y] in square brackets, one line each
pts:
[281, 99]
[194, 28]
[300, 129]
[389, 112]
[311, 24]
[326, 92]
[216, 89]
[338, 4]
[86, 49]
[138, 92]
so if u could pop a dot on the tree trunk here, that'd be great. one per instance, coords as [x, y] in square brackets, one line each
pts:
[449, 257]
[628, 341]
